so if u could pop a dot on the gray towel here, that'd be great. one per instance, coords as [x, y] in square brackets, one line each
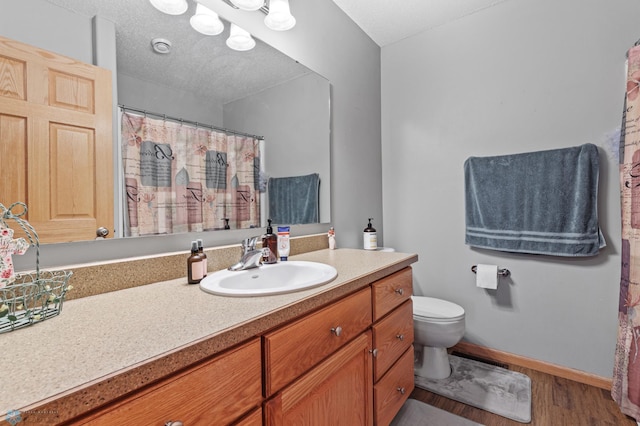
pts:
[539, 202]
[294, 200]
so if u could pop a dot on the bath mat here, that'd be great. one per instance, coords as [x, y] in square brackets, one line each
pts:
[416, 413]
[488, 387]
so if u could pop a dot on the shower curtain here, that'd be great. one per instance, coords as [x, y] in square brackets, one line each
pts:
[183, 178]
[626, 374]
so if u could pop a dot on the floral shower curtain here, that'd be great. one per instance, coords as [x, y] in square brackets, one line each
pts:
[183, 178]
[626, 375]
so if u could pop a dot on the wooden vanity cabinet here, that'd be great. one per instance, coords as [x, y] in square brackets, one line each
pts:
[392, 344]
[336, 391]
[216, 392]
[350, 362]
[339, 391]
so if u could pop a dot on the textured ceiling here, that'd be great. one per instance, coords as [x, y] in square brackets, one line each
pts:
[205, 66]
[199, 64]
[387, 21]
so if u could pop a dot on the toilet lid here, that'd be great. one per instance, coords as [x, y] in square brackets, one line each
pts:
[430, 307]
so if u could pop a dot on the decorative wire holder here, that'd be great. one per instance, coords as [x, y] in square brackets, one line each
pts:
[35, 296]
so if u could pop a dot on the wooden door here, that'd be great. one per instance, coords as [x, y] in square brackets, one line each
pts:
[336, 392]
[56, 142]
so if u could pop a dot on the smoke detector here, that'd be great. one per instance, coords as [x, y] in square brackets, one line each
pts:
[161, 45]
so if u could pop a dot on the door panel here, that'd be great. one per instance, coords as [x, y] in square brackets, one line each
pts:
[56, 142]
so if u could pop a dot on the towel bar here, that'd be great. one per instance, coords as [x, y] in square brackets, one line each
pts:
[503, 272]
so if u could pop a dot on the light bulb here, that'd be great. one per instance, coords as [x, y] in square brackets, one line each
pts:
[240, 39]
[279, 17]
[171, 7]
[206, 21]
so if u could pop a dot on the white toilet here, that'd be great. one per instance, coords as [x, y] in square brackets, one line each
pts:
[438, 325]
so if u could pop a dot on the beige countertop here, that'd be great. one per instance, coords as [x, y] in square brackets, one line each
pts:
[101, 347]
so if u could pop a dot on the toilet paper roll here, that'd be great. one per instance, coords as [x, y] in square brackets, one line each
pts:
[487, 276]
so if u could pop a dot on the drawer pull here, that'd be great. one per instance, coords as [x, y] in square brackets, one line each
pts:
[400, 291]
[374, 352]
[172, 423]
[337, 331]
[401, 390]
[400, 336]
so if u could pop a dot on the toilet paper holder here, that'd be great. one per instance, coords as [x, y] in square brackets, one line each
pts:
[504, 272]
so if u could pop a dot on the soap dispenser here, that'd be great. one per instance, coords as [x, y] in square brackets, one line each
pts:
[370, 237]
[195, 270]
[269, 245]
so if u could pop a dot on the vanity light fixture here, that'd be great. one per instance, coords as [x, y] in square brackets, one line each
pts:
[171, 7]
[206, 21]
[240, 39]
[248, 4]
[279, 17]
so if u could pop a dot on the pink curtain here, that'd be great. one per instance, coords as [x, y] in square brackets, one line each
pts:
[626, 375]
[182, 178]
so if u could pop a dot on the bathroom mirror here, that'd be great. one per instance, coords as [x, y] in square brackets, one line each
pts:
[261, 92]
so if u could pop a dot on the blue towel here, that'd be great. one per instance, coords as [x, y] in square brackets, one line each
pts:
[295, 199]
[539, 202]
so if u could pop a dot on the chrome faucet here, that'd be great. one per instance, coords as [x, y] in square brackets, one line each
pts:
[251, 257]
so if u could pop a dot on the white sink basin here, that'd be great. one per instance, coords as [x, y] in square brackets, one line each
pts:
[279, 278]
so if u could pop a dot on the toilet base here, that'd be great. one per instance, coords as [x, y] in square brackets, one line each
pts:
[432, 363]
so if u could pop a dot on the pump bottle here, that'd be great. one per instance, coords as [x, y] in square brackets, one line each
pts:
[195, 271]
[269, 245]
[370, 237]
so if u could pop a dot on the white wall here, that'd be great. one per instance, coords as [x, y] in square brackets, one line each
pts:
[294, 119]
[522, 76]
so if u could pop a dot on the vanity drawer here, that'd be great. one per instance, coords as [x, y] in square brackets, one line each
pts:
[293, 349]
[391, 338]
[393, 389]
[219, 391]
[391, 291]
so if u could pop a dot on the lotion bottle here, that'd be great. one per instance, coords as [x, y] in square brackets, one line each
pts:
[370, 237]
[195, 272]
[203, 255]
[269, 246]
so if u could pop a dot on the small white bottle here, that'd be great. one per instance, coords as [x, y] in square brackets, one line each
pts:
[370, 237]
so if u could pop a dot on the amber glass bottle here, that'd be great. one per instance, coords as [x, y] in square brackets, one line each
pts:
[195, 270]
[269, 245]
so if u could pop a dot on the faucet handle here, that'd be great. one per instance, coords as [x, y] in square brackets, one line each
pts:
[249, 244]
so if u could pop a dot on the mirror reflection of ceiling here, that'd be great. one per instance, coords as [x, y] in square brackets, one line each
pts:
[197, 63]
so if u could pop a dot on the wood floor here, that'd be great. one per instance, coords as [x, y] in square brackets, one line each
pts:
[555, 401]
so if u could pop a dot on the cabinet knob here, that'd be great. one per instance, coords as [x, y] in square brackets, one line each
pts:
[401, 390]
[172, 423]
[400, 291]
[374, 352]
[337, 331]
[400, 336]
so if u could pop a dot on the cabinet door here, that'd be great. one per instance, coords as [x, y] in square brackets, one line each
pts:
[336, 392]
[394, 389]
[218, 392]
[56, 142]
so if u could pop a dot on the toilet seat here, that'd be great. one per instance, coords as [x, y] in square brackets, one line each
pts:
[436, 309]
